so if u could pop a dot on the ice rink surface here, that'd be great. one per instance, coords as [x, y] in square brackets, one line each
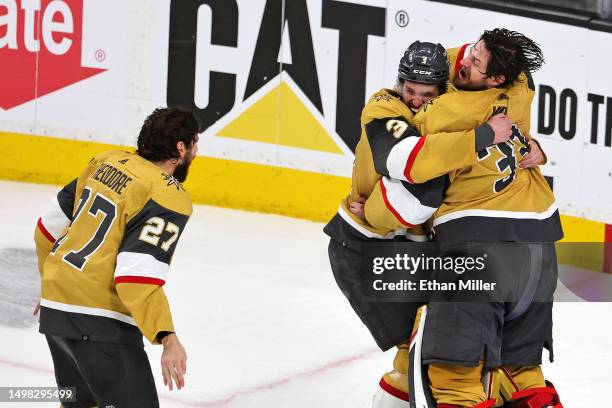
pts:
[255, 305]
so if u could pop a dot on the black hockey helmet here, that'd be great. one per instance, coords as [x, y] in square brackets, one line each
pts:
[424, 62]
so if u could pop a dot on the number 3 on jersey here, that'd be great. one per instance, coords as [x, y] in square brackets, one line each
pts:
[508, 163]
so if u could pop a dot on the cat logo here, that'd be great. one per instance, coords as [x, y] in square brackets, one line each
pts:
[397, 127]
[284, 48]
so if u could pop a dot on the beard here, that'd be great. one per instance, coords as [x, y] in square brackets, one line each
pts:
[181, 170]
[461, 81]
[468, 86]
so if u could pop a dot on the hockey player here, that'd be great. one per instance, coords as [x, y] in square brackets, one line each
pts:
[422, 75]
[493, 199]
[104, 246]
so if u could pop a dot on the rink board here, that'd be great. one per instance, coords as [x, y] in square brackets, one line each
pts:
[56, 161]
[280, 101]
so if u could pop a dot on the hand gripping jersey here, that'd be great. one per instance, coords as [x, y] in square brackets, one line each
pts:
[105, 245]
[385, 126]
[490, 198]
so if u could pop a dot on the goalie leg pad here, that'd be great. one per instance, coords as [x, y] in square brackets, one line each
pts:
[393, 386]
[487, 404]
[389, 396]
[540, 397]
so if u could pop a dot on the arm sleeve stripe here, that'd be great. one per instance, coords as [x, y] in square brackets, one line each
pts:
[53, 219]
[397, 159]
[44, 231]
[404, 205]
[131, 239]
[390, 207]
[139, 279]
[460, 58]
[413, 154]
[133, 264]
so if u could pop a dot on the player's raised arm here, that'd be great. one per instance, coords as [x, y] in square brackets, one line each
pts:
[400, 152]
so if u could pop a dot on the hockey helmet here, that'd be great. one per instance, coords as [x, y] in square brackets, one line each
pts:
[424, 62]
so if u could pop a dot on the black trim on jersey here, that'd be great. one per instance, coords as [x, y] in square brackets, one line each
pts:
[530, 82]
[344, 233]
[484, 135]
[382, 141]
[65, 197]
[340, 231]
[551, 182]
[430, 193]
[86, 327]
[133, 229]
[495, 229]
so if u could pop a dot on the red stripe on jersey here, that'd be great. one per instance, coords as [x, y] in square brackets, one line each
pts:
[413, 154]
[607, 266]
[459, 59]
[139, 279]
[392, 390]
[44, 231]
[413, 336]
[390, 207]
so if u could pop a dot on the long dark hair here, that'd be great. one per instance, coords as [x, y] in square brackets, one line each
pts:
[511, 54]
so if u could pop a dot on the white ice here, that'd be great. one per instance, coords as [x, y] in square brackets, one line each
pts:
[264, 325]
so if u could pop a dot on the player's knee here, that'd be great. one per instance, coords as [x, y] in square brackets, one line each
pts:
[459, 386]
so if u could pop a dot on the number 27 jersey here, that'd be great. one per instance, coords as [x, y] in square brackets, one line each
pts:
[103, 277]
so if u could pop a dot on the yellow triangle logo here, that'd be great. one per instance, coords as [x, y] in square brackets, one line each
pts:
[281, 118]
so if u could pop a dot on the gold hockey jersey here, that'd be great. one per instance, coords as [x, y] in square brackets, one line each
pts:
[491, 198]
[105, 244]
[387, 148]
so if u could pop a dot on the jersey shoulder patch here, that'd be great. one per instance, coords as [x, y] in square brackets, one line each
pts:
[170, 193]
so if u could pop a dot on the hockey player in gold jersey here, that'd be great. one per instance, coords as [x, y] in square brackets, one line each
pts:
[104, 247]
[492, 199]
[422, 75]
